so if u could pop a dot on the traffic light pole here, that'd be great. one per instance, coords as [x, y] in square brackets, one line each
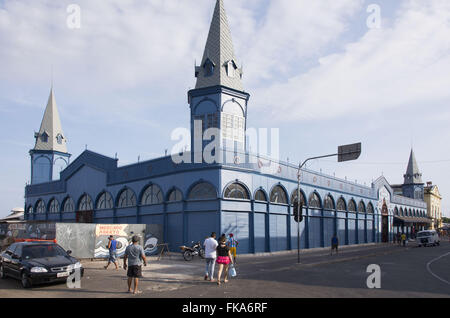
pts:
[299, 205]
[345, 153]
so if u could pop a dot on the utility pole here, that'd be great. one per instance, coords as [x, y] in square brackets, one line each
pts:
[345, 153]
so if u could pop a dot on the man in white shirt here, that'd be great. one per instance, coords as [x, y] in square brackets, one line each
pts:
[210, 245]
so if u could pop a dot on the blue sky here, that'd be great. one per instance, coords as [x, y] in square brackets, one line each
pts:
[313, 69]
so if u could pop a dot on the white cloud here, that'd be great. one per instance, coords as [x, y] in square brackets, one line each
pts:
[406, 63]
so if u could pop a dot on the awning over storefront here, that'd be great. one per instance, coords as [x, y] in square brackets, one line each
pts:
[411, 220]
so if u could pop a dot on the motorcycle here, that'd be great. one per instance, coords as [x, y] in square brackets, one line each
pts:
[195, 250]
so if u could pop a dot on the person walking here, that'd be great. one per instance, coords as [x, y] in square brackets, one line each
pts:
[232, 245]
[112, 247]
[404, 239]
[210, 245]
[334, 244]
[135, 255]
[224, 260]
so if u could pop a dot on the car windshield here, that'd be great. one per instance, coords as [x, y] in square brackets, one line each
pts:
[423, 234]
[42, 251]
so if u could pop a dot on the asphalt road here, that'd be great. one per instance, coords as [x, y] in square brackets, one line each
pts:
[405, 272]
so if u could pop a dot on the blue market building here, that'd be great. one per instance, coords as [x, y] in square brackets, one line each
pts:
[250, 195]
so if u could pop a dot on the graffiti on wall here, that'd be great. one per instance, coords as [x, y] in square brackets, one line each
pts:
[85, 240]
[123, 234]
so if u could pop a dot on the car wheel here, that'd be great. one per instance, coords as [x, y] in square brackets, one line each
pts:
[2, 272]
[26, 283]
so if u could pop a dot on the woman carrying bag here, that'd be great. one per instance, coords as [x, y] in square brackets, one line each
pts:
[224, 260]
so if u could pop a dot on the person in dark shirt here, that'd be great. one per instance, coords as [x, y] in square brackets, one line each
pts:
[334, 244]
[224, 260]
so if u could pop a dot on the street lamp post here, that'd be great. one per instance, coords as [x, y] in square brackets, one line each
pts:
[345, 153]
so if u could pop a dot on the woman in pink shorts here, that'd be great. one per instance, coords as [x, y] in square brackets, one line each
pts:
[223, 259]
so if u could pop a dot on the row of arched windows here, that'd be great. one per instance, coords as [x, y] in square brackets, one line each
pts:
[409, 212]
[279, 195]
[153, 195]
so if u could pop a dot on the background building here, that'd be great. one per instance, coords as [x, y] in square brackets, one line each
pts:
[433, 199]
[17, 215]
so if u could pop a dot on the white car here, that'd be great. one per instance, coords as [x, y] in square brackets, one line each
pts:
[430, 237]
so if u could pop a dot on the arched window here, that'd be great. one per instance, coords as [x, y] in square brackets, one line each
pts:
[295, 195]
[401, 212]
[127, 199]
[352, 206]
[329, 202]
[40, 207]
[236, 191]
[152, 195]
[370, 208]
[361, 207]
[69, 206]
[85, 203]
[260, 196]
[105, 202]
[30, 210]
[314, 201]
[278, 195]
[396, 211]
[203, 191]
[341, 206]
[175, 196]
[54, 206]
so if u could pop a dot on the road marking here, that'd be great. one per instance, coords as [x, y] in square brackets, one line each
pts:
[431, 272]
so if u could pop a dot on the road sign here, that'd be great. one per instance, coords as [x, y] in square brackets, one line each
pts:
[349, 152]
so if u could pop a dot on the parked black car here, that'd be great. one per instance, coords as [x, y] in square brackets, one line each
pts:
[38, 263]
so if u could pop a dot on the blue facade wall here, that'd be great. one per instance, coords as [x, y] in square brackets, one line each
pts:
[238, 224]
[260, 232]
[278, 233]
[294, 234]
[329, 230]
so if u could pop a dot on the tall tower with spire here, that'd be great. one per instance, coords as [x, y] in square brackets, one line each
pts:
[413, 187]
[219, 100]
[49, 155]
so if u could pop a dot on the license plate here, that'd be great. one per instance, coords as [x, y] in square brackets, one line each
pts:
[64, 274]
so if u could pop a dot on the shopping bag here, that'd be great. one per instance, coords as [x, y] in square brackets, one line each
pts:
[233, 271]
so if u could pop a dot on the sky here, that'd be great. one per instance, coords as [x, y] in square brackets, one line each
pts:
[324, 72]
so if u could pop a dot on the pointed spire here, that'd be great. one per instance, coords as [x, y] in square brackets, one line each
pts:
[219, 65]
[413, 175]
[50, 135]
